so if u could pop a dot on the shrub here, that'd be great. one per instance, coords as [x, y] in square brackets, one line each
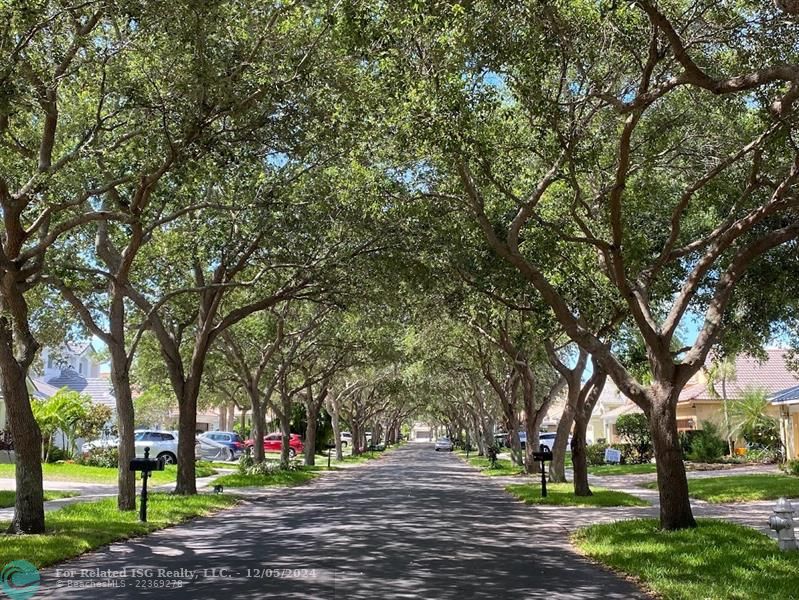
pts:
[55, 454]
[792, 467]
[248, 467]
[101, 457]
[632, 455]
[595, 454]
[707, 445]
[687, 442]
[763, 455]
[245, 462]
[634, 429]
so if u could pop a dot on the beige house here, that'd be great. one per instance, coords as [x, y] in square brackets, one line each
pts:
[787, 403]
[699, 402]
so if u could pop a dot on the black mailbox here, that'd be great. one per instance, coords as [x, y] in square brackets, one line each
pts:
[329, 448]
[146, 465]
[544, 454]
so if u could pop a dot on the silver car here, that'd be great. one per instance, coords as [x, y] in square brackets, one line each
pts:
[208, 449]
[444, 444]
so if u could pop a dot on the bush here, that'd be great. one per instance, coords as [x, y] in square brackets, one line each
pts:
[792, 467]
[764, 433]
[687, 442]
[248, 467]
[56, 454]
[634, 429]
[707, 445]
[763, 455]
[245, 462]
[595, 454]
[101, 457]
[632, 455]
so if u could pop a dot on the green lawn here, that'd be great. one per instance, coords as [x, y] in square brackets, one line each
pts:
[277, 478]
[623, 469]
[718, 560]
[562, 494]
[79, 527]
[349, 458]
[7, 497]
[86, 474]
[742, 488]
[504, 466]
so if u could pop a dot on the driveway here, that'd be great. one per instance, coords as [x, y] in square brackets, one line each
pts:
[414, 524]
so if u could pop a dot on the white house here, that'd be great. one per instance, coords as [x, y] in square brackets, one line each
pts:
[77, 367]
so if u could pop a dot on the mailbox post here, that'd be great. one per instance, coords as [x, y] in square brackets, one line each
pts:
[146, 465]
[329, 450]
[544, 454]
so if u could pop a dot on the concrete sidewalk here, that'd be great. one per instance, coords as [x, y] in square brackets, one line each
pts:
[88, 492]
[751, 514]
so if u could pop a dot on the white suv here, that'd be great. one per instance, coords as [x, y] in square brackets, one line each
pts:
[162, 444]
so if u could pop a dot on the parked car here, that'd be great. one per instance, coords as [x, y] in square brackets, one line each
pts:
[162, 444]
[106, 442]
[273, 443]
[444, 444]
[210, 449]
[229, 439]
[548, 439]
[544, 437]
[346, 438]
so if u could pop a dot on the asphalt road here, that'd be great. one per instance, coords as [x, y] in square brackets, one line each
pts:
[415, 524]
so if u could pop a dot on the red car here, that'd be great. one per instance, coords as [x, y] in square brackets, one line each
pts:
[273, 443]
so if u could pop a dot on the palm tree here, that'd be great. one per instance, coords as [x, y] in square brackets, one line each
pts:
[749, 417]
[723, 371]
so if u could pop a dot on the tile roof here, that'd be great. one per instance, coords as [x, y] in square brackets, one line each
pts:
[772, 374]
[99, 388]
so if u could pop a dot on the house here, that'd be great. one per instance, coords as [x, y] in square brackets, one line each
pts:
[700, 401]
[787, 403]
[77, 367]
[610, 404]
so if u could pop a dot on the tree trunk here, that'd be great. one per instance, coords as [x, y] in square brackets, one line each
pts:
[285, 429]
[531, 429]
[675, 504]
[727, 431]
[336, 429]
[557, 468]
[29, 502]
[186, 483]
[258, 425]
[223, 418]
[488, 435]
[586, 401]
[312, 414]
[356, 437]
[120, 380]
[515, 445]
[579, 458]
